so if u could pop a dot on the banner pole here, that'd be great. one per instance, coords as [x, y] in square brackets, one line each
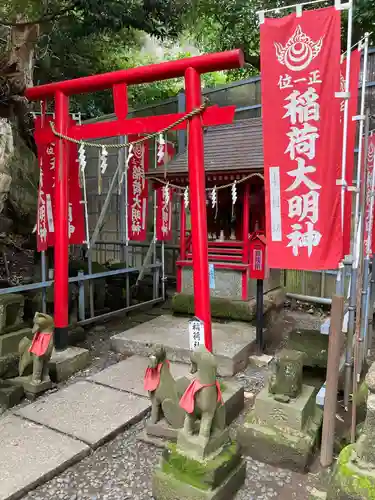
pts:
[369, 250]
[353, 279]
[357, 347]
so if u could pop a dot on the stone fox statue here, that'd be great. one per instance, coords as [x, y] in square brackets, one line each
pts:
[203, 399]
[164, 391]
[38, 350]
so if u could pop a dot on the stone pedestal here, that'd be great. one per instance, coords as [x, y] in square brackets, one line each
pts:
[182, 478]
[161, 433]
[284, 425]
[31, 389]
[64, 364]
[10, 395]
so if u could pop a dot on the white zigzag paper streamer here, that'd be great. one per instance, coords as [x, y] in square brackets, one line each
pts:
[234, 192]
[166, 194]
[161, 144]
[214, 197]
[103, 159]
[82, 157]
[186, 197]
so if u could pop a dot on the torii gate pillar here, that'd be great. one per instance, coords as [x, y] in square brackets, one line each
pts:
[197, 195]
[191, 68]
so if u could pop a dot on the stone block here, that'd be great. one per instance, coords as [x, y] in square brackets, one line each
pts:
[233, 342]
[10, 395]
[279, 445]
[186, 479]
[64, 364]
[287, 373]
[9, 341]
[31, 389]
[11, 312]
[351, 478]
[260, 361]
[294, 414]
[31, 454]
[196, 449]
[128, 375]
[313, 344]
[9, 366]
[87, 411]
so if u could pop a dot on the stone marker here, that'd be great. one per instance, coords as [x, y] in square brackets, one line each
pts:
[283, 426]
[205, 464]
[38, 353]
[12, 327]
[354, 473]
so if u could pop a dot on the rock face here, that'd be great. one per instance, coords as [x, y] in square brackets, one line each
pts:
[354, 474]
[284, 425]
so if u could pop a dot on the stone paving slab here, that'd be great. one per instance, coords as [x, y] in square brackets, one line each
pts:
[87, 411]
[232, 342]
[128, 375]
[31, 454]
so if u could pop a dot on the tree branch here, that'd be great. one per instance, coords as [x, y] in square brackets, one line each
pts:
[42, 20]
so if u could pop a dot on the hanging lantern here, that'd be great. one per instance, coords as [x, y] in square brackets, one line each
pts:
[186, 197]
[103, 160]
[82, 157]
[234, 192]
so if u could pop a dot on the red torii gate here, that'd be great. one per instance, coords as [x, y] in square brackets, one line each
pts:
[190, 69]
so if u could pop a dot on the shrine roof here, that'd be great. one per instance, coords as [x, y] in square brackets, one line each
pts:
[236, 147]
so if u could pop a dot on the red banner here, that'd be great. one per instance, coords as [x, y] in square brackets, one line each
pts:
[355, 65]
[137, 186]
[300, 60]
[46, 198]
[369, 218]
[164, 213]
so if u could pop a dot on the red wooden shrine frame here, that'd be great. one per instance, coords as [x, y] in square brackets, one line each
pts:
[190, 69]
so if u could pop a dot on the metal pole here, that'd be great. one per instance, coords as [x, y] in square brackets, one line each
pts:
[259, 317]
[371, 307]
[357, 347]
[181, 134]
[366, 267]
[197, 182]
[352, 299]
[346, 112]
[330, 398]
[155, 275]
[126, 227]
[61, 260]
[44, 278]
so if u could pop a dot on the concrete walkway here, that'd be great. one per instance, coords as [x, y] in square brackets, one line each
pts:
[41, 439]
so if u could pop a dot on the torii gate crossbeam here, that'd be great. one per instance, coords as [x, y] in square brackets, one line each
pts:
[118, 81]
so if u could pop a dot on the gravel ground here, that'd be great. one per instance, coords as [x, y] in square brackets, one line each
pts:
[122, 469]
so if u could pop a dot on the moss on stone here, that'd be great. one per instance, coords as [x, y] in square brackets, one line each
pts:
[220, 308]
[198, 474]
[313, 344]
[350, 479]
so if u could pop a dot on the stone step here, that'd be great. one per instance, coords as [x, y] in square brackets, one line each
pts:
[31, 454]
[232, 342]
[86, 411]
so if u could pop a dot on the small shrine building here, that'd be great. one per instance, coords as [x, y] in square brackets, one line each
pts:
[233, 155]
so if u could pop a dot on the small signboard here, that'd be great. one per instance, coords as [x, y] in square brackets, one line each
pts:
[196, 333]
[211, 273]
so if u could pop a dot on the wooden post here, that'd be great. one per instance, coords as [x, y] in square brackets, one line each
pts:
[330, 400]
